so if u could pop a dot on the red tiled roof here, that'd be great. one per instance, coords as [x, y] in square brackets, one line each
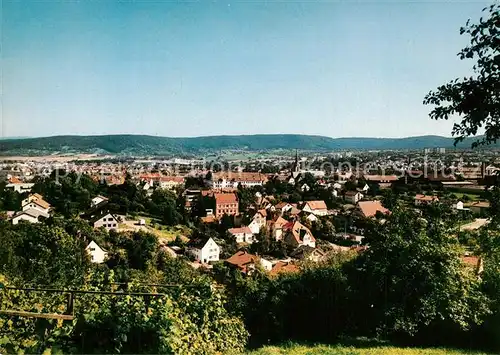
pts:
[283, 267]
[316, 205]
[295, 228]
[370, 208]
[471, 260]
[380, 177]
[242, 260]
[426, 198]
[177, 179]
[240, 176]
[208, 219]
[240, 230]
[226, 198]
[280, 221]
[15, 180]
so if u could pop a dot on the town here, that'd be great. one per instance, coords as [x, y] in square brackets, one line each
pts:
[308, 207]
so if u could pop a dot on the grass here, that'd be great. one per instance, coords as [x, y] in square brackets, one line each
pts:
[295, 349]
[163, 232]
[472, 197]
[168, 233]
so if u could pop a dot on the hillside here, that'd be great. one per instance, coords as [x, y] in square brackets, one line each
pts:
[152, 145]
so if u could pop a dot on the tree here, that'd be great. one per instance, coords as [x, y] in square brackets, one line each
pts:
[413, 281]
[477, 98]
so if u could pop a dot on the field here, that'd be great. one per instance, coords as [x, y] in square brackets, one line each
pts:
[354, 350]
[164, 233]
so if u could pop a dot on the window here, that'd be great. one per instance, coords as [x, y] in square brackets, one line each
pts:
[92, 249]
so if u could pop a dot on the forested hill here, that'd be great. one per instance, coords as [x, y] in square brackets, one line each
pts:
[142, 144]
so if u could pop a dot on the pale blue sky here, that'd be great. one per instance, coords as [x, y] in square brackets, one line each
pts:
[207, 68]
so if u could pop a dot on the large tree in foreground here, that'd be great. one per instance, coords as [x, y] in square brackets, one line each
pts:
[475, 99]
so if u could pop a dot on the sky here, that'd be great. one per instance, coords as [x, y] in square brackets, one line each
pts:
[171, 68]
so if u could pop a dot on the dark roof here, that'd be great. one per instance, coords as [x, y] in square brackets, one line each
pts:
[99, 209]
[99, 216]
[197, 243]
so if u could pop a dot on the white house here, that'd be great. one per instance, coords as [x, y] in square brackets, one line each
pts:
[353, 196]
[258, 221]
[317, 208]
[204, 251]
[35, 201]
[97, 200]
[277, 227]
[20, 187]
[242, 235]
[297, 234]
[40, 205]
[97, 254]
[228, 179]
[30, 215]
[107, 221]
[311, 217]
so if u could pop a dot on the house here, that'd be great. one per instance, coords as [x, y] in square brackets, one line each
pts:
[296, 234]
[353, 196]
[276, 227]
[108, 221]
[204, 251]
[225, 203]
[247, 263]
[170, 182]
[98, 200]
[317, 208]
[479, 207]
[381, 179]
[337, 186]
[283, 267]
[425, 199]
[460, 206]
[19, 186]
[31, 215]
[231, 179]
[242, 235]
[40, 205]
[35, 201]
[283, 207]
[96, 253]
[306, 252]
[369, 209]
[258, 221]
[311, 217]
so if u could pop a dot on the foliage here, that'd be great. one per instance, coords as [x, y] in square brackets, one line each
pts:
[414, 281]
[476, 98]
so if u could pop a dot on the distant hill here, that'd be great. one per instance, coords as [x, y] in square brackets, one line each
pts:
[151, 145]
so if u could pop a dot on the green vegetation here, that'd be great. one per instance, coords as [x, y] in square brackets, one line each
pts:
[475, 99]
[293, 349]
